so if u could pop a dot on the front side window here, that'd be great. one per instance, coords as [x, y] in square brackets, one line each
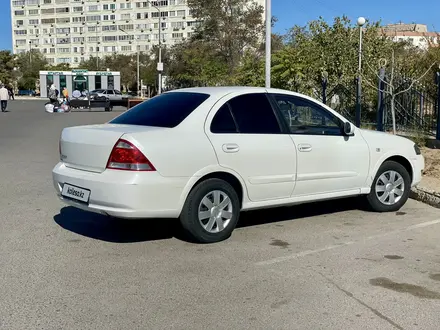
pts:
[253, 114]
[305, 117]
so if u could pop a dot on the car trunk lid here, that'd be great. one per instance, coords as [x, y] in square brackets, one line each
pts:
[88, 147]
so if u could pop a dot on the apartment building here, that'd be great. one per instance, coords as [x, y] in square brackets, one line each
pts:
[70, 31]
[416, 34]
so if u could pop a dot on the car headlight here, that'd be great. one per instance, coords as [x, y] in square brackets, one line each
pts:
[417, 149]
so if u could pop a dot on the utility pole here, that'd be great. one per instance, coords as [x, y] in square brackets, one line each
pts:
[360, 22]
[268, 42]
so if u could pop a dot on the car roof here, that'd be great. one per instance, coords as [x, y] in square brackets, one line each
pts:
[224, 90]
[219, 92]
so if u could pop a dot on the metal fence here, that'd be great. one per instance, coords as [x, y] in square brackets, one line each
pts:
[416, 105]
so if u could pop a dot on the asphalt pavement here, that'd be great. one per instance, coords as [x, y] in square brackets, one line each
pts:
[320, 266]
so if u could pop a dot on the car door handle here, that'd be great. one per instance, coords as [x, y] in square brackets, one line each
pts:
[231, 147]
[304, 147]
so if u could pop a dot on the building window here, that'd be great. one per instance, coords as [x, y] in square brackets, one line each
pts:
[180, 13]
[109, 28]
[110, 82]
[62, 10]
[109, 38]
[20, 32]
[177, 35]
[49, 82]
[126, 48]
[63, 82]
[94, 8]
[63, 30]
[109, 7]
[64, 60]
[48, 21]
[63, 20]
[48, 11]
[98, 83]
[19, 13]
[78, 19]
[33, 12]
[34, 22]
[94, 18]
[77, 9]
[126, 27]
[125, 37]
[18, 3]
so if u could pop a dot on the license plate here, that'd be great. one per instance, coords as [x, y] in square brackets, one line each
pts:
[76, 193]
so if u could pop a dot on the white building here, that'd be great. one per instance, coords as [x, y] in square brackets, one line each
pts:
[416, 34]
[69, 31]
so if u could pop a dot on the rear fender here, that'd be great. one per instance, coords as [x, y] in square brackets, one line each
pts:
[206, 171]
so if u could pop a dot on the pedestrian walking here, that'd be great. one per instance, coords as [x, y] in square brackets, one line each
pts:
[53, 94]
[11, 93]
[65, 94]
[4, 97]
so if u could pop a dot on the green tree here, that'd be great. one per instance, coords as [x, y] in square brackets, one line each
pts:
[59, 67]
[196, 64]
[29, 64]
[228, 27]
[6, 66]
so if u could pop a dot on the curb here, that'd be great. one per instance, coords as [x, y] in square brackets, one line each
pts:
[426, 196]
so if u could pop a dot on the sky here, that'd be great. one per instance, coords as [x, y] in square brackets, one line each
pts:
[299, 12]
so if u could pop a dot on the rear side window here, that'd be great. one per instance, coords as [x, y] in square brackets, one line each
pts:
[254, 114]
[166, 110]
[223, 121]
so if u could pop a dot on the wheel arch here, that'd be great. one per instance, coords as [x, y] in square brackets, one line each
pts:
[398, 158]
[404, 162]
[233, 178]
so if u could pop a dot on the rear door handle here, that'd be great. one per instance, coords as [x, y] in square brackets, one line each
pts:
[230, 147]
[304, 147]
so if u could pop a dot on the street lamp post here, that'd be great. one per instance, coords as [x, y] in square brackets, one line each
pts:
[30, 51]
[360, 22]
[268, 41]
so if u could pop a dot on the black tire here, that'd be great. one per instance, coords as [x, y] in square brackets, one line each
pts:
[372, 199]
[189, 218]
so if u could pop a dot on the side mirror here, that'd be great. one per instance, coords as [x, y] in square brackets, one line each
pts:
[348, 129]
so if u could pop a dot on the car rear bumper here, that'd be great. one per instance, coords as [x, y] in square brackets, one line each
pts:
[123, 194]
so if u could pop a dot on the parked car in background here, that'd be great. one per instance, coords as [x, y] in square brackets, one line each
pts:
[205, 154]
[115, 96]
[27, 92]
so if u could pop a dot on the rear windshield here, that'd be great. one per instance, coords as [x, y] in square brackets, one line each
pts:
[166, 110]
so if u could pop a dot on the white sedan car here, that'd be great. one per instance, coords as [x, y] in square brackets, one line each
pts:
[205, 154]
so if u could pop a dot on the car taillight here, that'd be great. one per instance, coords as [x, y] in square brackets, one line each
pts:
[125, 156]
